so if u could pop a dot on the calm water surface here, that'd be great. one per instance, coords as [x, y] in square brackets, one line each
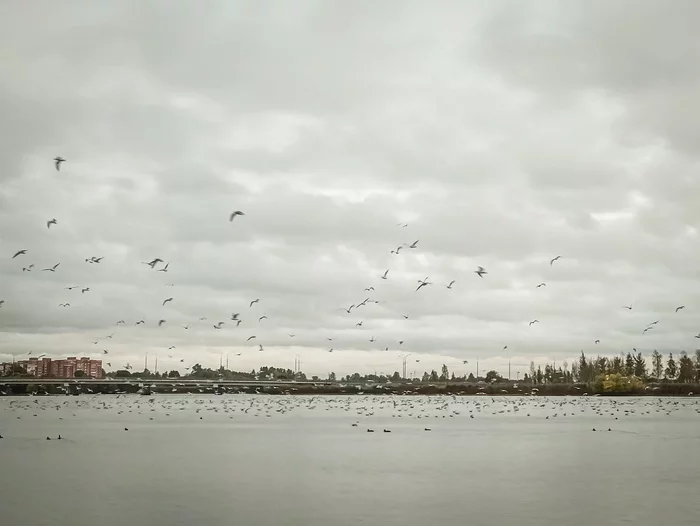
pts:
[263, 460]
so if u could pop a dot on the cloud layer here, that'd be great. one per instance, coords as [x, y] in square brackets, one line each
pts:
[502, 134]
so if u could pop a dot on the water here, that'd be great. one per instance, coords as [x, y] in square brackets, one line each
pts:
[259, 460]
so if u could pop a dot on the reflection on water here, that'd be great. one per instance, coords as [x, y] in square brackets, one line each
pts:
[259, 460]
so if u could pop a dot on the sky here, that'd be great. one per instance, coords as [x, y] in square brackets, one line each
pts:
[501, 133]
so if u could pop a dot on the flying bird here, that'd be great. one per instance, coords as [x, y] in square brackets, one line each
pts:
[397, 250]
[261, 347]
[140, 322]
[480, 271]
[541, 285]
[234, 316]
[400, 342]
[256, 300]
[153, 263]
[57, 162]
[19, 253]
[250, 338]
[292, 335]
[86, 289]
[185, 327]
[121, 322]
[403, 225]
[372, 339]
[450, 285]
[415, 244]
[369, 289]
[28, 269]
[261, 318]
[105, 351]
[358, 324]
[423, 283]
[597, 341]
[234, 214]
[218, 325]
[2, 302]
[628, 307]
[679, 308]
[161, 322]
[553, 260]
[52, 222]
[534, 321]
[165, 268]
[697, 335]
[404, 316]
[647, 329]
[52, 269]
[238, 322]
[167, 300]
[385, 273]
[64, 304]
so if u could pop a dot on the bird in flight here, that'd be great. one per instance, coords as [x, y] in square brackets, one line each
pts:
[52, 269]
[647, 329]
[451, 283]
[414, 244]
[358, 324]
[697, 335]
[403, 225]
[372, 339]
[680, 307]
[480, 271]
[94, 259]
[1, 302]
[140, 322]
[261, 318]
[19, 253]
[52, 222]
[369, 289]
[57, 162]
[234, 214]
[464, 362]
[250, 338]
[654, 322]
[121, 322]
[553, 260]
[218, 325]
[86, 289]
[64, 304]
[423, 283]
[28, 269]
[167, 300]
[385, 273]
[597, 341]
[185, 327]
[628, 307]
[161, 322]
[71, 288]
[261, 347]
[153, 263]
[292, 335]
[541, 285]
[238, 322]
[397, 250]
[349, 308]
[256, 300]
[105, 351]
[234, 316]
[165, 268]
[534, 321]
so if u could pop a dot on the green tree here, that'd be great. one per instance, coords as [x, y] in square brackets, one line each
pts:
[629, 364]
[697, 365]
[539, 376]
[122, 373]
[174, 374]
[426, 377]
[617, 383]
[445, 373]
[493, 376]
[686, 371]
[471, 378]
[396, 377]
[640, 366]
[434, 376]
[671, 368]
[657, 364]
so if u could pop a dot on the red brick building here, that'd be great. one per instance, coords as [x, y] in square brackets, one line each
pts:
[48, 368]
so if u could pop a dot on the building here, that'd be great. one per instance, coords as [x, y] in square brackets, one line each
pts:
[48, 368]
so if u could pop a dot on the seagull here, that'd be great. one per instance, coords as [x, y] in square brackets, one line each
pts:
[161, 322]
[627, 307]
[654, 322]
[358, 324]
[372, 339]
[423, 283]
[330, 350]
[58, 160]
[597, 341]
[250, 338]
[202, 318]
[19, 253]
[384, 275]
[415, 244]
[261, 347]
[348, 309]
[167, 300]
[400, 342]
[505, 347]
[369, 289]
[185, 327]
[553, 260]
[450, 285]
[110, 336]
[397, 250]
[96, 260]
[464, 362]
[86, 289]
[218, 325]
[165, 268]
[234, 214]
[153, 263]
[121, 322]
[292, 335]
[261, 318]
[405, 316]
[1, 302]
[541, 285]
[679, 308]
[28, 269]
[64, 304]
[139, 322]
[256, 300]
[105, 351]
[647, 329]
[52, 222]
[171, 347]
[534, 321]
[480, 271]
[235, 316]
[403, 225]
[697, 335]
[238, 322]
[52, 269]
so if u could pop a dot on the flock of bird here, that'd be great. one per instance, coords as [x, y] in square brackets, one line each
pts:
[157, 264]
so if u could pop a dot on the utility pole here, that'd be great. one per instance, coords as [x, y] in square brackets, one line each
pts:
[145, 364]
[227, 362]
[156, 364]
[477, 367]
[404, 357]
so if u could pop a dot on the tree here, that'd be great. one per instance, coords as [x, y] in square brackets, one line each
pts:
[657, 364]
[617, 383]
[331, 377]
[174, 374]
[493, 376]
[445, 373]
[79, 374]
[122, 373]
[426, 377]
[697, 365]
[685, 369]
[434, 376]
[196, 368]
[539, 375]
[533, 371]
[671, 368]
[640, 366]
[471, 378]
[629, 364]
[396, 377]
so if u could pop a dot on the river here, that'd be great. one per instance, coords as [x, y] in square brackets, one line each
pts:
[285, 460]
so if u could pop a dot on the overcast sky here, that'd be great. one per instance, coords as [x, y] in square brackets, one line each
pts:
[503, 133]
